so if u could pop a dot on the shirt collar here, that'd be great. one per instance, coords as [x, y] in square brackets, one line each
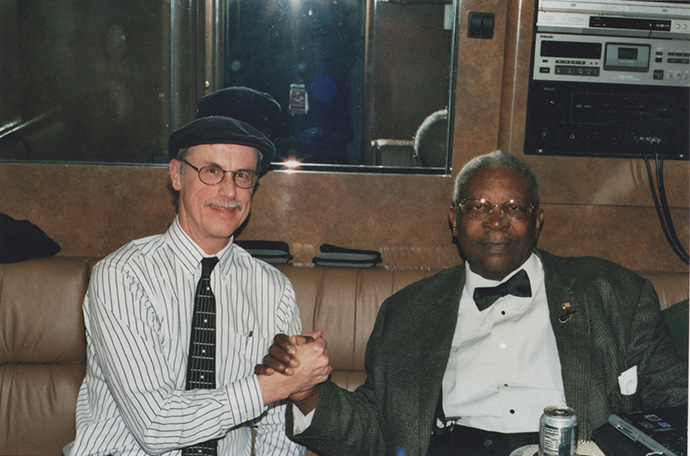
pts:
[189, 253]
[473, 280]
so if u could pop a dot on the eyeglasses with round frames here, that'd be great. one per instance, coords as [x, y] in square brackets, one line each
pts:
[214, 175]
[480, 209]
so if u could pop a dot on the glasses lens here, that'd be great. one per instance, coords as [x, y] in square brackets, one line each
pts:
[476, 209]
[211, 175]
[479, 209]
[516, 210]
[245, 178]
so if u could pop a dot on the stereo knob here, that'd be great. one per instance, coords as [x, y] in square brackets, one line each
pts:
[554, 105]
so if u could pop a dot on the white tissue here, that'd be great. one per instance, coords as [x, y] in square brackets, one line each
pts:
[628, 381]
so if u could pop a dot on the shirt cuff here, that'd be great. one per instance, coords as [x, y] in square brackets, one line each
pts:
[300, 421]
[246, 400]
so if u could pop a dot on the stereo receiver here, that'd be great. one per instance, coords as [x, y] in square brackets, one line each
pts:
[565, 118]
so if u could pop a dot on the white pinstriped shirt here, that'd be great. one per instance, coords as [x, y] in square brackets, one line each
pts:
[138, 315]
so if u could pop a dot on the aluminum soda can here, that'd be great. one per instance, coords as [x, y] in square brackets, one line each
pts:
[558, 431]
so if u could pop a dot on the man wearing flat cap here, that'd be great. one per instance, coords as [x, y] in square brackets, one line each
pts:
[176, 322]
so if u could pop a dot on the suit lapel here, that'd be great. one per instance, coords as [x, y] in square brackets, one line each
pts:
[572, 332]
[443, 314]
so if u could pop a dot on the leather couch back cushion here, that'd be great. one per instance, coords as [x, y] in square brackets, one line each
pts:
[344, 303]
[672, 287]
[42, 353]
[42, 346]
[40, 311]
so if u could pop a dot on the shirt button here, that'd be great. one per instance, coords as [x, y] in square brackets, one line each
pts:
[512, 412]
[503, 346]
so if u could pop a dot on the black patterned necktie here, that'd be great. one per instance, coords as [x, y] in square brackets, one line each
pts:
[518, 285]
[201, 367]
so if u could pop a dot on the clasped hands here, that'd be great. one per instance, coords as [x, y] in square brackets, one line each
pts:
[302, 363]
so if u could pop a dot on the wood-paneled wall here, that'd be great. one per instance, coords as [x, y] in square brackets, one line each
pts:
[600, 207]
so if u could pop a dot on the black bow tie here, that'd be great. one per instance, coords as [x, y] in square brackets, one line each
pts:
[518, 285]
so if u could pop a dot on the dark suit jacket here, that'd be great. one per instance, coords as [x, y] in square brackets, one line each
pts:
[618, 326]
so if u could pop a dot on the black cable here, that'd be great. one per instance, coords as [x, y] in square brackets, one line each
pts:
[664, 215]
[665, 207]
[658, 208]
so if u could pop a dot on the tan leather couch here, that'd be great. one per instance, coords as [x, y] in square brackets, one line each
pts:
[42, 352]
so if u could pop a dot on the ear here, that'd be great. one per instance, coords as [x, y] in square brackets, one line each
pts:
[175, 176]
[538, 223]
[453, 219]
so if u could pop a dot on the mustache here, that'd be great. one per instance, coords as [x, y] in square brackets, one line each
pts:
[503, 239]
[227, 204]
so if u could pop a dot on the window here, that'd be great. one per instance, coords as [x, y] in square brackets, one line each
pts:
[105, 82]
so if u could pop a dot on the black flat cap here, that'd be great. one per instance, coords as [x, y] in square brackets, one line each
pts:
[222, 130]
[258, 109]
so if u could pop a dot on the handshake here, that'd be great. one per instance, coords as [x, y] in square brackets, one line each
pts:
[294, 368]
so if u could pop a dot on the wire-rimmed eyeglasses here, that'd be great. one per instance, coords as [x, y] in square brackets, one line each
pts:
[214, 175]
[480, 209]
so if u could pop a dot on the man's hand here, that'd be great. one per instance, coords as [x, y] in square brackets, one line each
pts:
[304, 362]
[281, 355]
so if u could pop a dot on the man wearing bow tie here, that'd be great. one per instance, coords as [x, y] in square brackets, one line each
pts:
[464, 362]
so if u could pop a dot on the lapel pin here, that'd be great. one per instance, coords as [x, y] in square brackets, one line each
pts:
[569, 313]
